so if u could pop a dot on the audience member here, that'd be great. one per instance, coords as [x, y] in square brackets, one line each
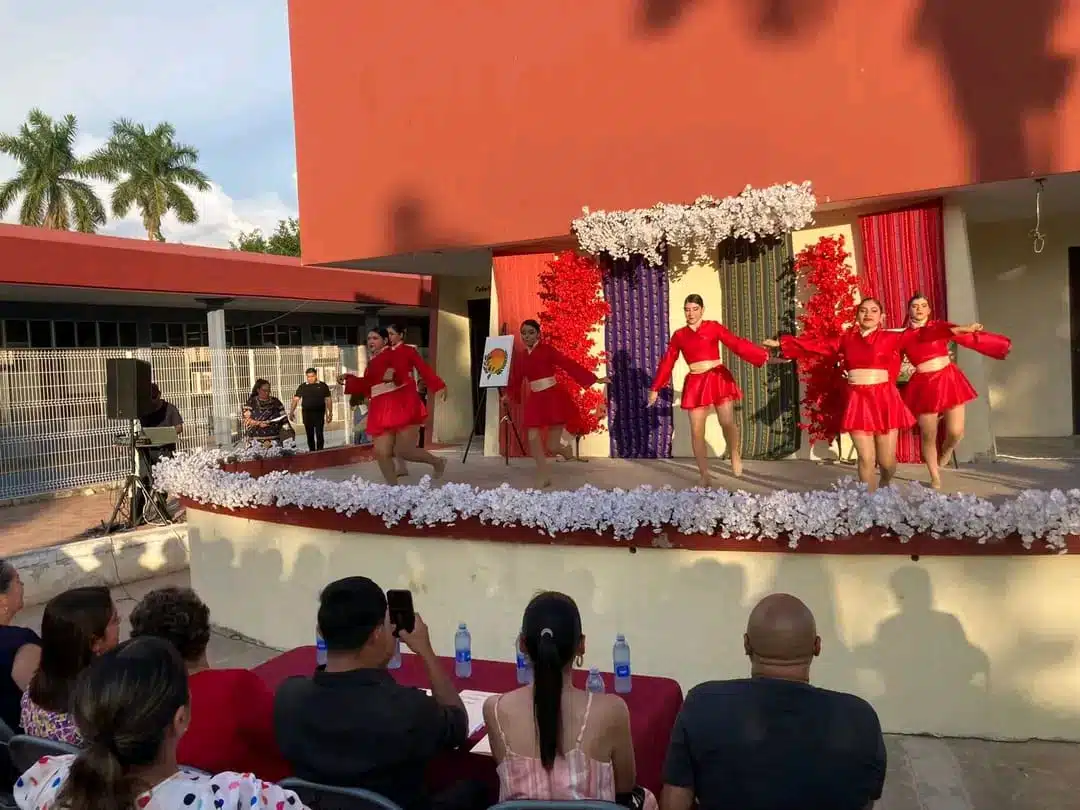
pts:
[232, 726]
[77, 626]
[352, 725]
[553, 742]
[773, 741]
[20, 648]
[132, 705]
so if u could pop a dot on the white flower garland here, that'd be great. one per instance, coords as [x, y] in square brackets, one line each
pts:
[696, 229]
[845, 510]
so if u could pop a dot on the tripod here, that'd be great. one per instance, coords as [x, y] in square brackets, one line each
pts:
[506, 422]
[133, 494]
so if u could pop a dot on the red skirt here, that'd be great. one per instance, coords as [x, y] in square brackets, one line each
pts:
[547, 408]
[876, 408]
[396, 410]
[938, 391]
[714, 387]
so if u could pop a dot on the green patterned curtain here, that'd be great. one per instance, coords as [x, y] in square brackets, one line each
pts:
[758, 285]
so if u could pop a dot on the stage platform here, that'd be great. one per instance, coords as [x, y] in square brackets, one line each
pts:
[1005, 477]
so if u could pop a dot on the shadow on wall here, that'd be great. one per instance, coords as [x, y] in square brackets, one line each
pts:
[411, 229]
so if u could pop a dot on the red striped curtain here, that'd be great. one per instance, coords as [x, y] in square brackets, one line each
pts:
[517, 288]
[904, 254]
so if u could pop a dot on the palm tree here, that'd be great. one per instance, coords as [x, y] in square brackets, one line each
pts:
[156, 172]
[51, 180]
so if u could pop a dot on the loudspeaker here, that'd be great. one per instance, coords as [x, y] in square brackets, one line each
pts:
[127, 388]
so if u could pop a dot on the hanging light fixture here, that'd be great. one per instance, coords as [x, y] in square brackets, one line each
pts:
[1038, 238]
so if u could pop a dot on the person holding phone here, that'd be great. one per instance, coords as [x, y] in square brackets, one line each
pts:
[353, 725]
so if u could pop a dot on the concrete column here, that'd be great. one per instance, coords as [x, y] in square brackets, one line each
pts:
[224, 409]
[979, 441]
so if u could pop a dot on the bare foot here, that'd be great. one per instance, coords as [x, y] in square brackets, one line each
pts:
[945, 459]
[884, 480]
[439, 469]
[705, 481]
[736, 466]
[935, 482]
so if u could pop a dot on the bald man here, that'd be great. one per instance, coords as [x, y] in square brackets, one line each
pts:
[773, 741]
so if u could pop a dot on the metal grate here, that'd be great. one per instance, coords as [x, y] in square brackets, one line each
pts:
[54, 434]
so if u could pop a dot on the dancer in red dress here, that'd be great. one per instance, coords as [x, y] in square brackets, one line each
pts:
[377, 340]
[874, 410]
[548, 407]
[709, 386]
[395, 410]
[938, 390]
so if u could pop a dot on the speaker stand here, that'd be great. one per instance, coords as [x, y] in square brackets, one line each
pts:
[134, 486]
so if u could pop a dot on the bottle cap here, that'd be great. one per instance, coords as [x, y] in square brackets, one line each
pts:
[461, 626]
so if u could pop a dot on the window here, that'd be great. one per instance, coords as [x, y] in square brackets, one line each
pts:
[196, 334]
[16, 334]
[87, 332]
[41, 336]
[65, 334]
[128, 335]
[176, 334]
[239, 335]
[159, 334]
[108, 334]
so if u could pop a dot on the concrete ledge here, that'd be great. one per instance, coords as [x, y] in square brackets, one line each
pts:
[121, 558]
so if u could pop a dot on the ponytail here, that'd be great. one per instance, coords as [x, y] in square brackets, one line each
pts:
[97, 781]
[547, 697]
[551, 635]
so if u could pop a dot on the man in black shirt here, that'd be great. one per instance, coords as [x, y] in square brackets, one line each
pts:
[313, 397]
[774, 742]
[353, 725]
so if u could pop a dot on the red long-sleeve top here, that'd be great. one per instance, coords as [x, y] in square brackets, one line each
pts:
[403, 360]
[878, 349]
[541, 362]
[703, 344]
[985, 343]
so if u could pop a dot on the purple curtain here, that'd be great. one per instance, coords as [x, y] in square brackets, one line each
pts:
[637, 336]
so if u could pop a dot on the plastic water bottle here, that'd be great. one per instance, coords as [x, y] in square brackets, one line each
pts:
[462, 652]
[620, 655]
[524, 668]
[395, 661]
[595, 682]
[320, 649]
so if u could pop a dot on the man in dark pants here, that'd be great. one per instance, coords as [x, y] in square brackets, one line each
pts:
[313, 397]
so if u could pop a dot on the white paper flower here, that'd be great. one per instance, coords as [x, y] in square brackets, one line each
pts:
[901, 512]
[696, 229]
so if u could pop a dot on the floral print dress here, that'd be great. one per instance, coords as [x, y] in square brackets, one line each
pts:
[38, 787]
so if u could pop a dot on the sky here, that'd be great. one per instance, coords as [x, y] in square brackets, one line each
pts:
[218, 71]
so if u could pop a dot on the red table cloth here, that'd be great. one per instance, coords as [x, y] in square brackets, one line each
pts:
[653, 704]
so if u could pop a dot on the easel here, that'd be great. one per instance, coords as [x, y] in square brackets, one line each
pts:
[506, 422]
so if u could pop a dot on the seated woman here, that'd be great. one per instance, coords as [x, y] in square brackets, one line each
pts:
[20, 648]
[232, 710]
[264, 415]
[132, 705]
[78, 625]
[553, 742]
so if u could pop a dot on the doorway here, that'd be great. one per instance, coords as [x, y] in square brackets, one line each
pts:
[479, 327]
[1074, 333]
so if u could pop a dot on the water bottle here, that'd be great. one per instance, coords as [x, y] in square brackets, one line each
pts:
[320, 649]
[595, 682]
[395, 660]
[462, 652]
[620, 655]
[524, 668]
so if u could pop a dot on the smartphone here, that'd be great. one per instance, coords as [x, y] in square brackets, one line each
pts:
[402, 615]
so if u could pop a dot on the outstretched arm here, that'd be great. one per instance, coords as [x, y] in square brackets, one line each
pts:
[742, 348]
[432, 380]
[799, 347]
[988, 344]
[578, 373]
[667, 365]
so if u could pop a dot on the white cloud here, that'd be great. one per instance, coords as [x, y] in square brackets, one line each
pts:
[221, 217]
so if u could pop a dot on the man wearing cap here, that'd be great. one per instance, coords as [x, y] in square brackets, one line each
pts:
[313, 397]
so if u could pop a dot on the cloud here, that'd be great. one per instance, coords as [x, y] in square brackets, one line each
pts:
[221, 217]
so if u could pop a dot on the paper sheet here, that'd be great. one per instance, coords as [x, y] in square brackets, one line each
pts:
[474, 706]
[483, 747]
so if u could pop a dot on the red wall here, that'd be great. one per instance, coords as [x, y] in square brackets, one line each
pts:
[429, 123]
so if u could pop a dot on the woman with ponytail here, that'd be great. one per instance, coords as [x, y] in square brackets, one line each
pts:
[132, 708]
[553, 742]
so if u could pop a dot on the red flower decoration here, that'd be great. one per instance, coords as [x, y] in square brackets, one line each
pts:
[826, 315]
[571, 290]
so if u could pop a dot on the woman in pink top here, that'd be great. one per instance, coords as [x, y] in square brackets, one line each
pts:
[553, 742]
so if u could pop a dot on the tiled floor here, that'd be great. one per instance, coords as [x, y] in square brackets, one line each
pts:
[924, 773]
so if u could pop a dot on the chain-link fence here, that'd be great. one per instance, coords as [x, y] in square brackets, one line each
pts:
[54, 434]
